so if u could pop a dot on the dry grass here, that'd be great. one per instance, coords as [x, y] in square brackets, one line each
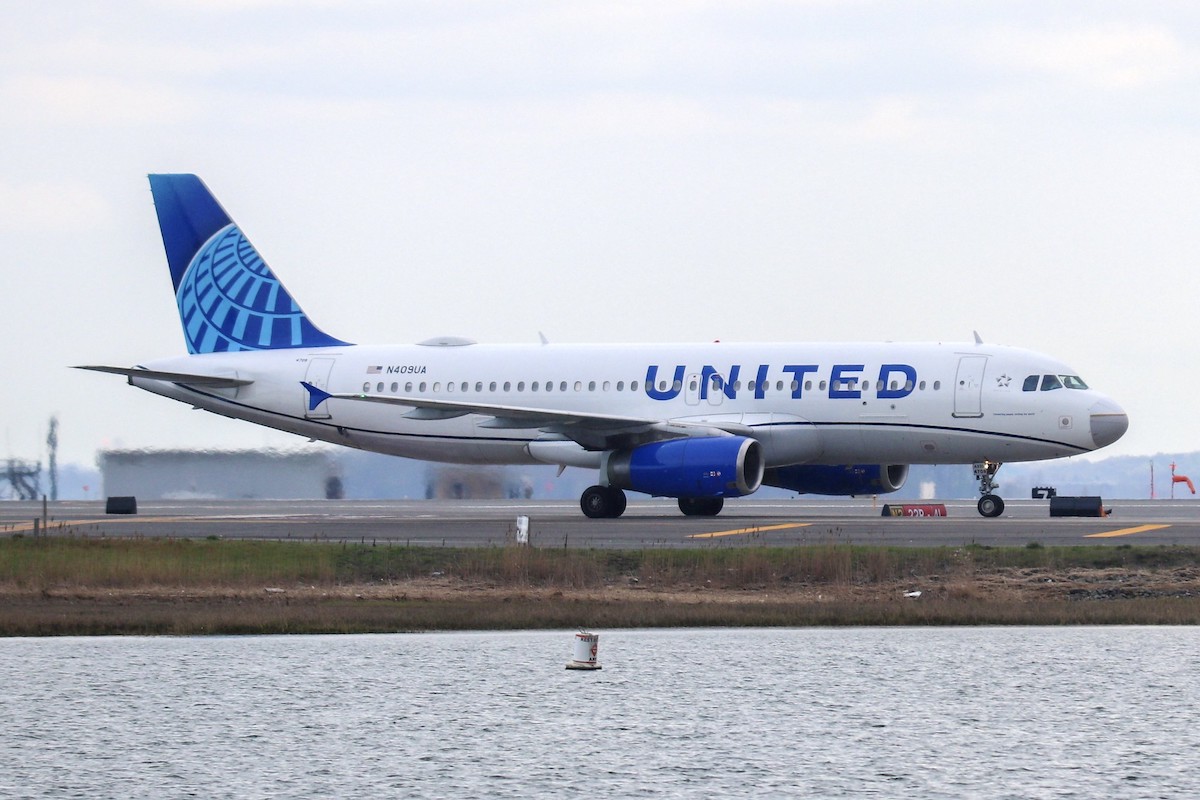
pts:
[53, 586]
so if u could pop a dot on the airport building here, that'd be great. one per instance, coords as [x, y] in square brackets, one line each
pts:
[314, 474]
[226, 475]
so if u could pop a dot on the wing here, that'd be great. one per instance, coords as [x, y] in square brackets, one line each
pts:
[209, 381]
[592, 431]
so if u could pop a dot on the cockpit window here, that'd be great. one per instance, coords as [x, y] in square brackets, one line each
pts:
[1073, 382]
[1050, 382]
[1031, 383]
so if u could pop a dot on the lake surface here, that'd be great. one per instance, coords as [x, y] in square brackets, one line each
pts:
[906, 713]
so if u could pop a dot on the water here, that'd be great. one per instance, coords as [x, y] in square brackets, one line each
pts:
[911, 713]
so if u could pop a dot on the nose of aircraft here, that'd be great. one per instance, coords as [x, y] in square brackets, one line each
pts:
[1109, 422]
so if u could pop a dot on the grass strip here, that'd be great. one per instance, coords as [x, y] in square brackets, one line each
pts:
[85, 586]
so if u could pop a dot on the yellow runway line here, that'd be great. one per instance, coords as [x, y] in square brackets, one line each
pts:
[1126, 531]
[759, 529]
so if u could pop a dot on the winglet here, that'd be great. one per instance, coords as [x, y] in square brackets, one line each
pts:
[316, 395]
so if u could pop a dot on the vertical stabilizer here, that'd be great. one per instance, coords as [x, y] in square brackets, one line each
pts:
[228, 297]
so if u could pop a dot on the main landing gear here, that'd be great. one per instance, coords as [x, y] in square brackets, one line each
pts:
[701, 506]
[601, 502]
[990, 505]
[608, 502]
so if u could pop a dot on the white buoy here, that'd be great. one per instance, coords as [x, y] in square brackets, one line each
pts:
[522, 530]
[586, 645]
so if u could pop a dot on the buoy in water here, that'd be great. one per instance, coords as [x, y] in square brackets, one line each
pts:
[586, 645]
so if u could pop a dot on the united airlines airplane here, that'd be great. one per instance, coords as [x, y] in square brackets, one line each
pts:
[697, 422]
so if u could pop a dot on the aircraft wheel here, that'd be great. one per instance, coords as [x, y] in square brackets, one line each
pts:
[619, 501]
[701, 506]
[990, 505]
[602, 502]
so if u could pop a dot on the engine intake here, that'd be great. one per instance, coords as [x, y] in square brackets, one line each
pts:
[839, 479]
[718, 466]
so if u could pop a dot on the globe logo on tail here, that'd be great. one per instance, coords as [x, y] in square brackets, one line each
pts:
[230, 300]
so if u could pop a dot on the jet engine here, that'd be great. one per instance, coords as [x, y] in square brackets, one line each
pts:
[840, 479]
[717, 466]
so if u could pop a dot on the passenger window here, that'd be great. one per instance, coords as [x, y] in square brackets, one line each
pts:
[562, 387]
[508, 386]
[437, 386]
[937, 385]
[1050, 383]
[449, 386]
[379, 387]
[1031, 384]
[591, 386]
[633, 386]
[366, 387]
[408, 388]
[620, 386]
[423, 385]
[607, 385]
[492, 386]
[479, 386]
[521, 386]
[921, 386]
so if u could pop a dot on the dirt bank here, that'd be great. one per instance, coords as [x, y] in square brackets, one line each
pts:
[1002, 596]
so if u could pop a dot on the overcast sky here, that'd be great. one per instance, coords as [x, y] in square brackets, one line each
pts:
[666, 171]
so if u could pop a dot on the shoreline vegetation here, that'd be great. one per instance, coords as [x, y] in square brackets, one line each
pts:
[51, 586]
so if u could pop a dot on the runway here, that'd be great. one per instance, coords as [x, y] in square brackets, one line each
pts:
[648, 523]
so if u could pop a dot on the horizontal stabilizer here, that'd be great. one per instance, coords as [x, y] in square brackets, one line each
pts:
[209, 381]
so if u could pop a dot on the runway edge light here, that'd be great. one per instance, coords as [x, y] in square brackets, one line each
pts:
[586, 647]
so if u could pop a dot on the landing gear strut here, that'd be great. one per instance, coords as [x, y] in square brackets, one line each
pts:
[602, 502]
[990, 505]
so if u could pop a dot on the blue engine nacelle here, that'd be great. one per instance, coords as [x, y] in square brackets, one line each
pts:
[718, 466]
[841, 479]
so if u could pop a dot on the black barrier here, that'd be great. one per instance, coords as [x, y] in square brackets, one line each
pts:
[121, 505]
[1076, 507]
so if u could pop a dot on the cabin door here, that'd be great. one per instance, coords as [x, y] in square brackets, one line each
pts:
[968, 386]
[317, 375]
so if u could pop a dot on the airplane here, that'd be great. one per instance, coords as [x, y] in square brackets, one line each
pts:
[695, 422]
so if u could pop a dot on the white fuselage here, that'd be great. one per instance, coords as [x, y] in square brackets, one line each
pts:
[836, 403]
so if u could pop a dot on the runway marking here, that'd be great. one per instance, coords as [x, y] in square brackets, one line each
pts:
[1126, 531]
[22, 527]
[756, 529]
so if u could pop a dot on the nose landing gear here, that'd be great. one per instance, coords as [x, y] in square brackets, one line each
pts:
[990, 505]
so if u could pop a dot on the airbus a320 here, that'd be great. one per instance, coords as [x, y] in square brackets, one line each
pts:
[696, 422]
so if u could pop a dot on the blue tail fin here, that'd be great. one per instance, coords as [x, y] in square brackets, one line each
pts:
[227, 295]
